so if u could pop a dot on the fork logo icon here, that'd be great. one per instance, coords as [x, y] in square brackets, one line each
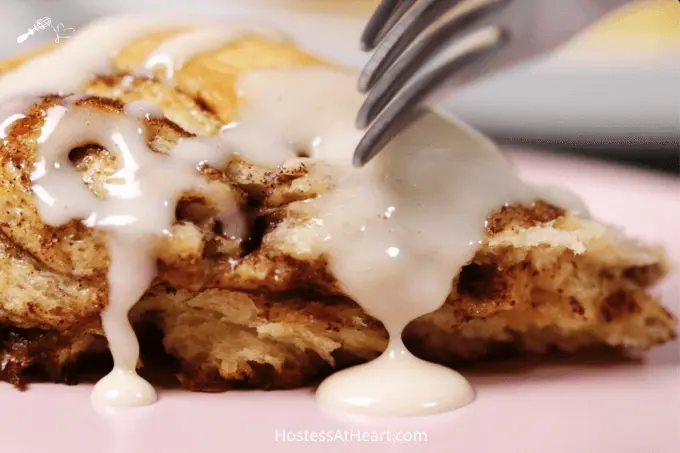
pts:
[41, 24]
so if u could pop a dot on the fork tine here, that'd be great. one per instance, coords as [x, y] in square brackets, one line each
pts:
[424, 14]
[417, 56]
[386, 15]
[402, 110]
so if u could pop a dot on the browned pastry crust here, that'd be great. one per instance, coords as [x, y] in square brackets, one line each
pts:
[253, 310]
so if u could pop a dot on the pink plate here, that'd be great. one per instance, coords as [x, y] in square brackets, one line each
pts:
[547, 408]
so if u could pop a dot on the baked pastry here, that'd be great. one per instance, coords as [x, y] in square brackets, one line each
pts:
[246, 307]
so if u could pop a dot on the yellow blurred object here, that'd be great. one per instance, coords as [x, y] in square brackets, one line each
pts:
[642, 31]
[643, 18]
[649, 26]
[356, 8]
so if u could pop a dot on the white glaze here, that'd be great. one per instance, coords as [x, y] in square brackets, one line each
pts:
[174, 52]
[139, 206]
[396, 383]
[143, 109]
[395, 233]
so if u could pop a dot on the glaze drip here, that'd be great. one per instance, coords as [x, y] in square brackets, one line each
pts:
[139, 206]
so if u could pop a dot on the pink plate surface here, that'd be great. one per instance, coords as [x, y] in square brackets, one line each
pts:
[587, 407]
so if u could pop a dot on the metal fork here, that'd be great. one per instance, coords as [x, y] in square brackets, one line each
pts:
[481, 37]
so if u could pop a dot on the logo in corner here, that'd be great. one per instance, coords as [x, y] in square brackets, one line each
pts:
[43, 23]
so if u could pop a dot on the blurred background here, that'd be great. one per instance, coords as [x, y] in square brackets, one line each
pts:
[612, 93]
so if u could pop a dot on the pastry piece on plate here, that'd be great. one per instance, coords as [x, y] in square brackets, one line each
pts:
[240, 303]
